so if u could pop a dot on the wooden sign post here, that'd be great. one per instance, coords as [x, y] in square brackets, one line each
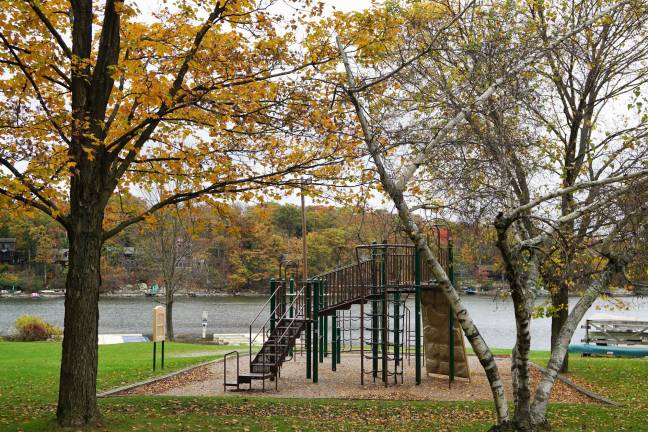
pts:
[159, 331]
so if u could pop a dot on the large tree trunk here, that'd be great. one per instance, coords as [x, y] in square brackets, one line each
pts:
[521, 275]
[560, 301]
[77, 403]
[560, 298]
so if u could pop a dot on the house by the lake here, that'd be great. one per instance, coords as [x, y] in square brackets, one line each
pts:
[7, 251]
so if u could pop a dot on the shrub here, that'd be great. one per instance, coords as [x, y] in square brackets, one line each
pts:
[33, 328]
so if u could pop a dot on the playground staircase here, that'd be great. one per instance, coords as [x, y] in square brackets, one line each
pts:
[277, 337]
[267, 362]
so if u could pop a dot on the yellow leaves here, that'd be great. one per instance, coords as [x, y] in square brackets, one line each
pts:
[425, 12]
[227, 121]
[606, 20]
[150, 219]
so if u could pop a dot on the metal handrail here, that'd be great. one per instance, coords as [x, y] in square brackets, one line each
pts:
[265, 304]
[272, 312]
[338, 269]
[225, 370]
[353, 273]
[263, 329]
[295, 315]
[290, 305]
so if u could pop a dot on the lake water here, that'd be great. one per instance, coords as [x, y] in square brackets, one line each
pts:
[233, 314]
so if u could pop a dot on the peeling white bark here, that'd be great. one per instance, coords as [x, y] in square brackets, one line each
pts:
[479, 345]
[543, 391]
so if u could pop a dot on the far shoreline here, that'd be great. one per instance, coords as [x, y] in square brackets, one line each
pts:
[221, 294]
[59, 294]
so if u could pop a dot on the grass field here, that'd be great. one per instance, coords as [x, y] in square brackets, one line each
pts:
[29, 375]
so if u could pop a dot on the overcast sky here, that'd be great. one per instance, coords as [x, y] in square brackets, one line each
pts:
[147, 6]
[348, 5]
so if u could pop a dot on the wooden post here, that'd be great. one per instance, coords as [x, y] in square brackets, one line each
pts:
[159, 331]
[304, 232]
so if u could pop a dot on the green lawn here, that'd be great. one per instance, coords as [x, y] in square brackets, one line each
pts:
[29, 373]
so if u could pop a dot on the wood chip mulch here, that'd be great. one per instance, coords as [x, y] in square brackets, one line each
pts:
[200, 373]
[210, 376]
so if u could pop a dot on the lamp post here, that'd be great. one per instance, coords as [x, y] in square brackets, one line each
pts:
[304, 181]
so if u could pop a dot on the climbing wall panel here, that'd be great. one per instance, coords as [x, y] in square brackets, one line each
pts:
[436, 310]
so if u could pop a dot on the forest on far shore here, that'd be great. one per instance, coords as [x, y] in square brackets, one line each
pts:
[228, 248]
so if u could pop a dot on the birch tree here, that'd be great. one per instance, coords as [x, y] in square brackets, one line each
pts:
[591, 107]
[612, 249]
[399, 152]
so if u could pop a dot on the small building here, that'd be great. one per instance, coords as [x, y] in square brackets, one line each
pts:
[489, 271]
[61, 256]
[129, 258]
[7, 250]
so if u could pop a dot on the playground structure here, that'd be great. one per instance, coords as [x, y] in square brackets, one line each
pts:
[362, 307]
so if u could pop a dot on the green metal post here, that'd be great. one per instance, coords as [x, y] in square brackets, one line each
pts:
[309, 325]
[384, 319]
[273, 317]
[323, 322]
[325, 317]
[284, 292]
[316, 336]
[339, 346]
[292, 297]
[397, 298]
[451, 343]
[417, 314]
[375, 334]
[334, 342]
